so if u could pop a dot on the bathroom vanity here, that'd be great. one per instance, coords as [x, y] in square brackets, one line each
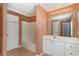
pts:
[60, 46]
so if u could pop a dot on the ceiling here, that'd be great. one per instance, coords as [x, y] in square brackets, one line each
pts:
[53, 6]
[29, 9]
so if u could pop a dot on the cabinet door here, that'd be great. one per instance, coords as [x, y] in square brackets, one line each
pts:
[74, 47]
[47, 46]
[58, 48]
[70, 52]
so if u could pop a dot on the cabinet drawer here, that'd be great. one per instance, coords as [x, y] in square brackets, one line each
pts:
[71, 53]
[73, 47]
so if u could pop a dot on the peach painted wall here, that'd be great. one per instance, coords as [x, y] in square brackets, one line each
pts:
[41, 27]
[0, 30]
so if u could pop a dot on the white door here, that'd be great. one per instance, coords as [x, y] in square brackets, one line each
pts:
[12, 32]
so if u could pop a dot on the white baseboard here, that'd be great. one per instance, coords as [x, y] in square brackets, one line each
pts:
[30, 46]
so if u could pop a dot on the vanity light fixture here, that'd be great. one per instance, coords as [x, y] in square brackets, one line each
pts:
[64, 10]
[68, 9]
[51, 13]
[60, 11]
[56, 12]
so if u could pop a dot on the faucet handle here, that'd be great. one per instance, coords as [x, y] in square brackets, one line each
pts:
[54, 37]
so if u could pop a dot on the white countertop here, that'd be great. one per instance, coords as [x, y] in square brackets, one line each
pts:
[63, 39]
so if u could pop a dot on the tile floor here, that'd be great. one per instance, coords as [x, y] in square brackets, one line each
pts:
[20, 52]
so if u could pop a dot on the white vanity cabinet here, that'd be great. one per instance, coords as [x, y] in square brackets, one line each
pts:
[53, 47]
[60, 46]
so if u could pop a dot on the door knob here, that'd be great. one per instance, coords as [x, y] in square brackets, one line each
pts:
[7, 34]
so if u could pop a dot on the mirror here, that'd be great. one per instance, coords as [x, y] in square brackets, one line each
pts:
[61, 25]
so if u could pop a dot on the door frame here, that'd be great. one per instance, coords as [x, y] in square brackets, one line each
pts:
[3, 29]
[21, 18]
[20, 26]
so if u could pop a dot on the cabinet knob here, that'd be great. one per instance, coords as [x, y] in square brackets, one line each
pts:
[71, 53]
[71, 46]
[7, 34]
[54, 37]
